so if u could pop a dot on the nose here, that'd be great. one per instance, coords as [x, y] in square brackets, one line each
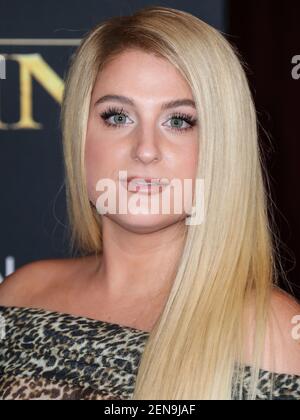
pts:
[145, 148]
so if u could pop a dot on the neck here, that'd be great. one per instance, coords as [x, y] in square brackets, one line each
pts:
[139, 264]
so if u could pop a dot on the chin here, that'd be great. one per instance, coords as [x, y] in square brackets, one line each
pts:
[143, 223]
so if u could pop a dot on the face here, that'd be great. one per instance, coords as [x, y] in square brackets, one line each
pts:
[142, 137]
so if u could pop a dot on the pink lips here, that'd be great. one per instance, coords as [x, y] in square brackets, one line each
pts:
[134, 187]
[143, 179]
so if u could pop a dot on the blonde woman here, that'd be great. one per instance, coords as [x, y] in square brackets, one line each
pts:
[155, 306]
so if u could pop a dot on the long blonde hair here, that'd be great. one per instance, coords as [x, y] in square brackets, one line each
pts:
[229, 260]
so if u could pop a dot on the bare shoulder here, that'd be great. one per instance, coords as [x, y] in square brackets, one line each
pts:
[285, 322]
[29, 282]
[282, 342]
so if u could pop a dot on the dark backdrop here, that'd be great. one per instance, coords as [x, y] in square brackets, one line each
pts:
[267, 34]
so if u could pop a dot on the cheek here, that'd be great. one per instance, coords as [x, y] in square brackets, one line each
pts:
[94, 165]
[187, 162]
[101, 161]
[187, 166]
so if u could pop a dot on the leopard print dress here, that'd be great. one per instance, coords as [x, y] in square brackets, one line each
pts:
[51, 355]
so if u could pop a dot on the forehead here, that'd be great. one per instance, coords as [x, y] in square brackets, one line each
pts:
[143, 74]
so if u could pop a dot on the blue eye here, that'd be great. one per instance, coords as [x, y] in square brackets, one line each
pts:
[119, 119]
[114, 112]
[182, 118]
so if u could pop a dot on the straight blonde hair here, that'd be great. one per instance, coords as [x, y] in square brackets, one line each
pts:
[196, 349]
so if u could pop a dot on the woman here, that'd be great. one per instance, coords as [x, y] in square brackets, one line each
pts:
[156, 306]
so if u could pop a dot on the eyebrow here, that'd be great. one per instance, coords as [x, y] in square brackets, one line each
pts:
[128, 101]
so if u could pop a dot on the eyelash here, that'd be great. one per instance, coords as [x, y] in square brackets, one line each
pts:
[111, 111]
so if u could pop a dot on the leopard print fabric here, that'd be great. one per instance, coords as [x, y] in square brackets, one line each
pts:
[51, 355]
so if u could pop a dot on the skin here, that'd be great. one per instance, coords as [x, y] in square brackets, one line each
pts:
[140, 249]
